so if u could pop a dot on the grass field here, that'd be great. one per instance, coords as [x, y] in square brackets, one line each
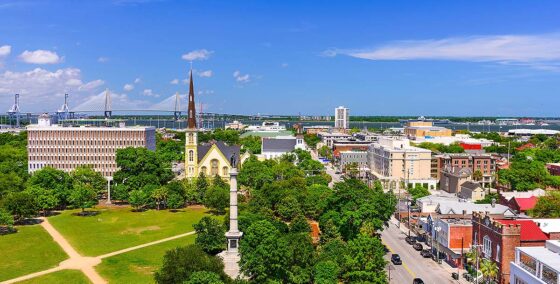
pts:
[63, 276]
[138, 266]
[29, 250]
[119, 228]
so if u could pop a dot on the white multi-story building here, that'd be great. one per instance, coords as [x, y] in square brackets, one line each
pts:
[66, 147]
[342, 117]
[393, 161]
[536, 265]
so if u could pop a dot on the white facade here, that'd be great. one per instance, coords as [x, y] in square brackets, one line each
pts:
[536, 265]
[66, 148]
[272, 148]
[342, 117]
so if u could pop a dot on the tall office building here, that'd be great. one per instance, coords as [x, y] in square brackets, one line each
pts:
[67, 147]
[342, 117]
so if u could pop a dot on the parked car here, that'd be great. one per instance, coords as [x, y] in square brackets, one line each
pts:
[410, 240]
[421, 238]
[396, 259]
[426, 253]
[418, 246]
[417, 281]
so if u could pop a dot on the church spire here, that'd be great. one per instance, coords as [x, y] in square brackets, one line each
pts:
[191, 120]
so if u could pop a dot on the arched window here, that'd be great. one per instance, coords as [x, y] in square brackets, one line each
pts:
[203, 170]
[191, 138]
[225, 171]
[191, 156]
[214, 166]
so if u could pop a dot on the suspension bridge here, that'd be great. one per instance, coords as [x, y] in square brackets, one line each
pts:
[171, 117]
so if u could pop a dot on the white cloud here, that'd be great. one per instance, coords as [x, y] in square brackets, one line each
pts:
[284, 65]
[41, 90]
[128, 87]
[524, 49]
[40, 57]
[174, 81]
[200, 54]
[92, 85]
[240, 78]
[102, 59]
[205, 74]
[5, 50]
[150, 93]
[137, 80]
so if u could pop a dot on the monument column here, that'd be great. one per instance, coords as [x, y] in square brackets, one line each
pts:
[233, 235]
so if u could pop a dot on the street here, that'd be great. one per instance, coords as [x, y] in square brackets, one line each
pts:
[413, 264]
[329, 169]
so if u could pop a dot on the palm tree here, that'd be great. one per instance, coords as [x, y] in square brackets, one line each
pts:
[489, 269]
[477, 175]
[160, 195]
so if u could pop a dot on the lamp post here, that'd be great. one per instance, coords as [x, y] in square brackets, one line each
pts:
[109, 179]
[437, 229]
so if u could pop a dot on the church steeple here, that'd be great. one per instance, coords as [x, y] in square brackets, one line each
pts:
[191, 114]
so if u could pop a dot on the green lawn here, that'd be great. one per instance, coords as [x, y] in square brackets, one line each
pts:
[138, 266]
[118, 228]
[29, 250]
[63, 276]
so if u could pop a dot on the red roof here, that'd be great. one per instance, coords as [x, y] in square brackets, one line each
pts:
[525, 146]
[526, 203]
[530, 231]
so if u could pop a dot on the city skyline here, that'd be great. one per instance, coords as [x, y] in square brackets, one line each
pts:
[434, 59]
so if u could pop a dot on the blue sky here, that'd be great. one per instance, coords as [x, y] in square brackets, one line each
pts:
[285, 57]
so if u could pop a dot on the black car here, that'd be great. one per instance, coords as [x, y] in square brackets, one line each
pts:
[417, 281]
[396, 259]
[426, 253]
[410, 240]
[418, 246]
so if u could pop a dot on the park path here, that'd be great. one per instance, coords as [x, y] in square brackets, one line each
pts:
[83, 263]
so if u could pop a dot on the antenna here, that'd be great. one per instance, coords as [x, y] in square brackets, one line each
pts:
[14, 110]
[108, 111]
[177, 112]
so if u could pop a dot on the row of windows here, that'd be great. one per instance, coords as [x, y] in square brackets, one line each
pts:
[70, 158]
[84, 134]
[42, 143]
[73, 150]
[103, 169]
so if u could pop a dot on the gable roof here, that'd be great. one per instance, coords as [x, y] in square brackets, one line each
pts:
[226, 150]
[525, 203]
[530, 231]
[278, 144]
[472, 185]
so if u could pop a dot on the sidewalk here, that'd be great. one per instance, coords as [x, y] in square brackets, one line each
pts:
[443, 264]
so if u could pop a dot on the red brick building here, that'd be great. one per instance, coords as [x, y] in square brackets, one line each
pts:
[496, 239]
[522, 205]
[485, 163]
[453, 239]
[553, 168]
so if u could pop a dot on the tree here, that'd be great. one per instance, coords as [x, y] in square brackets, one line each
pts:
[57, 181]
[180, 263]
[217, 196]
[325, 152]
[263, 252]
[175, 201]
[489, 269]
[138, 199]
[87, 175]
[364, 261]
[418, 191]
[139, 167]
[83, 196]
[210, 235]
[477, 175]
[547, 206]
[300, 225]
[10, 182]
[352, 170]
[20, 204]
[201, 187]
[160, 196]
[44, 199]
[6, 221]
[311, 140]
[326, 272]
[204, 277]
[288, 208]
[251, 144]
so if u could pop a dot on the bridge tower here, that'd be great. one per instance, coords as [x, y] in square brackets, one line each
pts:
[108, 109]
[177, 112]
[64, 111]
[14, 110]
